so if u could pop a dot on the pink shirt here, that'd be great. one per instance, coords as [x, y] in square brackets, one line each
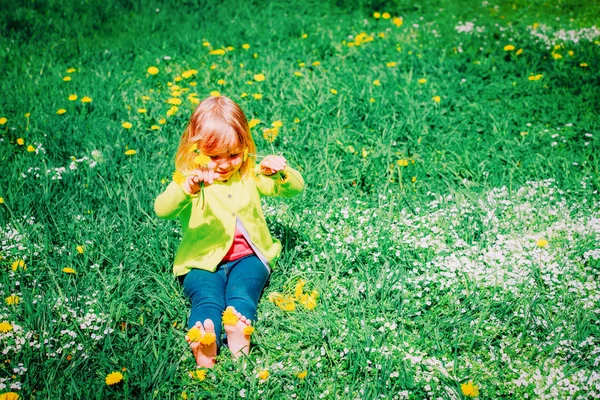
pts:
[239, 248]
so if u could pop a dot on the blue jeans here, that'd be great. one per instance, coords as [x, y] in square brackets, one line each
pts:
[237, 283]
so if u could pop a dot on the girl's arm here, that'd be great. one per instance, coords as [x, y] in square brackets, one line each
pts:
[170, 203]
[275, 178]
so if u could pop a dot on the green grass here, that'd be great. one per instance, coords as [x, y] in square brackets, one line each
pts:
[418, 226]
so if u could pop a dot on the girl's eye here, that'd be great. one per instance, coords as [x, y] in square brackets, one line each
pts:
[214, 157]
[234, 155]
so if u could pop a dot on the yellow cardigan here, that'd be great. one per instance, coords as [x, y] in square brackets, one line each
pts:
[208, 223]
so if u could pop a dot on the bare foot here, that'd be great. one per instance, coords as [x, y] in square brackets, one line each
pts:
[238, 332]
[202, 341]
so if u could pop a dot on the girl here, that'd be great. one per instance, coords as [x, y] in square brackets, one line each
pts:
[226, 253]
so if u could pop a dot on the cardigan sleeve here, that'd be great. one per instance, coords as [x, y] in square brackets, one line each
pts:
[170, 203]
[286, 183]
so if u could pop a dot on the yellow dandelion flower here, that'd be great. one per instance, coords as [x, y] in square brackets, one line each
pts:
[299, 288]
[174, 101]
[333, 91]
[264, 374]
[130, 152]
[519, 52]
[509, 47]
[69, 270]
[583, 64]
[391, 64]
[437, 99]
[309, 301]
[142, 110]
[304, 36]
[71, 70]
[72, 97]
[199, 374]
[316, 63]
[277, 124]
[18, 264]
[270, 134]
[80, 249]
[244, 94]
[178, 79]
[206, 43]
[259, 77]
[253, 122]
[162, 121]
[541, 243]
[469, 389]
[296, 120]
[194, 334]
[30, 148]
[371, 100]
[1, 200]
[27, 115]
[86, 99]
[229, 318]
[302, 375]
[215, 93]
[402, 163]
[422, 81]
[12, 299]
[178, 177]
[230, 48]
[171, 111]
[386, 15]
[208, 338]
[217, 52]
[155, 127]
[202, 160]
[5, 326]
[9, 396]
[152, 70]
[257, 96]
[61, 111]
[248, 330]
[376, 82]
[221, 82]
[126, 125]
[398, 21]
[376, 15]
[557, 56]
[287, 305]
[189, 73]
[245, 46]
[20, 141]
[67, 78]
[298, 73]
[113, 378]
[3, 121]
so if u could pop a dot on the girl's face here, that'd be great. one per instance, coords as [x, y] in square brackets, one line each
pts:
[226, 164]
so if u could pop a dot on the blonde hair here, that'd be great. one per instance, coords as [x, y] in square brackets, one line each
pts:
[217, 125]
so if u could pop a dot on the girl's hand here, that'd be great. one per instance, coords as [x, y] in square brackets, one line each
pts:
[272, 164]
[194, 181]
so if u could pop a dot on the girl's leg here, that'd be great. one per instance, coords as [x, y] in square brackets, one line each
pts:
[245, 283]
[206, 291]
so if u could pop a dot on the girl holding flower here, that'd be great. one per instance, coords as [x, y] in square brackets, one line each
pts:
[226, 252]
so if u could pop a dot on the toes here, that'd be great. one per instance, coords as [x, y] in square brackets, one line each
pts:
[209, 325]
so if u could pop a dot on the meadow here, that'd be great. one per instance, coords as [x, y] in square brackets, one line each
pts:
[447, 244]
